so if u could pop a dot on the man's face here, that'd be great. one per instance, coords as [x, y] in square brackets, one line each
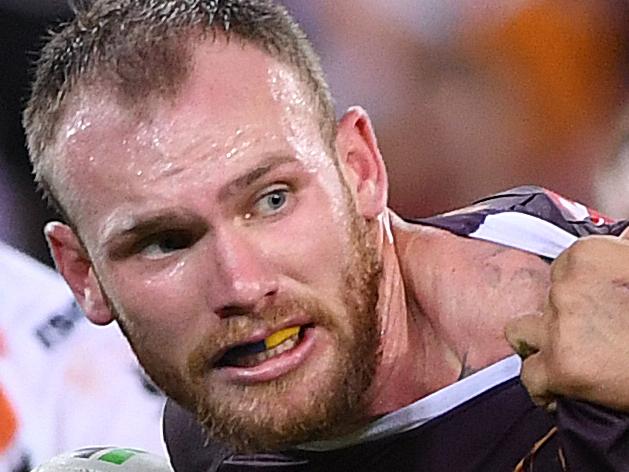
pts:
[229, 249]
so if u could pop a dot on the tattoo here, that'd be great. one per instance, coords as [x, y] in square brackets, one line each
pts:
[622, 284]
[534, 274]
[492, 269]
[492, 274]
[497, 249]
[466, 370]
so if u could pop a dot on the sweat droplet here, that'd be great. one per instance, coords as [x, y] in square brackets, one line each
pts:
[231, 153]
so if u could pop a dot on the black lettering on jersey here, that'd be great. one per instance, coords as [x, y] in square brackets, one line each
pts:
[58, 326]
[24, 464]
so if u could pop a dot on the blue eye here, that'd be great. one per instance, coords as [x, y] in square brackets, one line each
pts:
[271, 202]
[276, 200]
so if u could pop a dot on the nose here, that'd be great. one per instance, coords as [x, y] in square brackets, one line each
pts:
[243, 278]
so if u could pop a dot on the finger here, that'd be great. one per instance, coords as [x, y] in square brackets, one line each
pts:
[526, 334]
[625, 233]
[535, 378]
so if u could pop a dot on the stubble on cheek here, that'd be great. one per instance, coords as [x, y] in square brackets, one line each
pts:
[332, 395]
[256, 417]
[151, 346]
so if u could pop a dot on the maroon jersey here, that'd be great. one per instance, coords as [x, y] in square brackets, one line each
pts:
[497, 430]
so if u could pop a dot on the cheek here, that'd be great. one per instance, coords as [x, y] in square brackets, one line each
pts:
[164, 307]
[312, 244]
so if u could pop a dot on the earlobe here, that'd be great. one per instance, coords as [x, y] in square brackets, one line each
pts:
[76, 268]
[361, 162]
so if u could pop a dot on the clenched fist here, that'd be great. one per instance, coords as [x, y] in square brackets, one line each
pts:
[579, 346]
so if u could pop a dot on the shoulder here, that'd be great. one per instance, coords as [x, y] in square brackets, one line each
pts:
[28, 286]
[538, 213]
[37, 308]
[18, 267]
[502, 242]
[430, 253]
[469, 289]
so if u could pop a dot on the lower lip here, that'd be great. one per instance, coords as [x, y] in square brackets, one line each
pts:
[273, 368]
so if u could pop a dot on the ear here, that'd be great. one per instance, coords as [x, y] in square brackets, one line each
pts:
[361, 162]
[74, 264]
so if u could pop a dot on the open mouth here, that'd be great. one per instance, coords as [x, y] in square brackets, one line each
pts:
[253, 354]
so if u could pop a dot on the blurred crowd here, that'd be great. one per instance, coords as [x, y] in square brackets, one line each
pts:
[467, 97]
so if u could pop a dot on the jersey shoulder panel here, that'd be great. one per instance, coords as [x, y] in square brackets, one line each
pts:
[537, 202]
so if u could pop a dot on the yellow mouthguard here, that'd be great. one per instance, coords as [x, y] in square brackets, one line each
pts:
[279, 337]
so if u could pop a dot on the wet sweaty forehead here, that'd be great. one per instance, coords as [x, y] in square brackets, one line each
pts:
[237, 106]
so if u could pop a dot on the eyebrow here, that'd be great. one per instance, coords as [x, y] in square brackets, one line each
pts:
[250, 177]
[150, 223]
[157, 220]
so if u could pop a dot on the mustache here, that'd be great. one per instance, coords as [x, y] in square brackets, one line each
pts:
[237, 330]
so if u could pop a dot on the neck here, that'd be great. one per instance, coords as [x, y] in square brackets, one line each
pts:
[415, 360]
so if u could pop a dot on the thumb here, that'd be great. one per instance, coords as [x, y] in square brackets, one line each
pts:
[535, 378]
[625, 233]
[526, 334]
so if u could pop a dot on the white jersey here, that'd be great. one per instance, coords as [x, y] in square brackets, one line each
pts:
[64, 383]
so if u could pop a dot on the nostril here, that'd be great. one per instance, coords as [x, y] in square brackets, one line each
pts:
[233, 310]
[242, 299]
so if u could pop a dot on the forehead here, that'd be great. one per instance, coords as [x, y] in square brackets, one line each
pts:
[230, 82]
[237, 105]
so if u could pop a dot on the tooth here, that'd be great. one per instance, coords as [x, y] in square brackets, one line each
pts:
[255, 359]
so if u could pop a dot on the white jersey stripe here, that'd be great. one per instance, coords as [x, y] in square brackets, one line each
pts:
[525, 232]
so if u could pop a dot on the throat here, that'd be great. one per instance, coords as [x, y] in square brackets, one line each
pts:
[415, 362]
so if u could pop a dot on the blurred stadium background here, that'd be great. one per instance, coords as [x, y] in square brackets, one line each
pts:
[468, 97]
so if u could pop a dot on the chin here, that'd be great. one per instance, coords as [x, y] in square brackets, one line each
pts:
[276, 415]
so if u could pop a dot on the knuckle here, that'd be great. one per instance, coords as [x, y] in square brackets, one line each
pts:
[594, 253]
[567, 371]
[583, 251]
[562, 294]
